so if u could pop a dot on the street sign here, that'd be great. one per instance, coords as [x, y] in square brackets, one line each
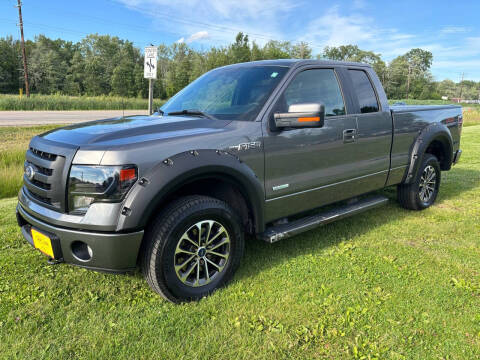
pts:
[150, 64]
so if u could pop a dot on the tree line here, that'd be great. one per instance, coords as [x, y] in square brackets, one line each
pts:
[107, 65]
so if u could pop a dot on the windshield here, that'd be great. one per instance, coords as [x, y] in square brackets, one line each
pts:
[231, 93]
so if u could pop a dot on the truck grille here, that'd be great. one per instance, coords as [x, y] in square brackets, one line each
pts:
[47, 185]
[43, 154]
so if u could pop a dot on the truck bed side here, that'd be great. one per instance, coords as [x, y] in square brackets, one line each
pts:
[409, 122]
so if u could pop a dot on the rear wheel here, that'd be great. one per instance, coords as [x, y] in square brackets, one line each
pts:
[423, 191]
[193, 247]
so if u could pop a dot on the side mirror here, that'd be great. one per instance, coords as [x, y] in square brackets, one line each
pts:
[301, 115]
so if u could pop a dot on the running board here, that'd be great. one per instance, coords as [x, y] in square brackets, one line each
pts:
[283, 231]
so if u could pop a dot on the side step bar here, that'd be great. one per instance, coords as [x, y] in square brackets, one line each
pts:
[282, 231]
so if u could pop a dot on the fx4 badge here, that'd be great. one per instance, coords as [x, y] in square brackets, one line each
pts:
[246, 146]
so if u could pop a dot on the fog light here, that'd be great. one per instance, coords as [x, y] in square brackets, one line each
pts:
[81, 251]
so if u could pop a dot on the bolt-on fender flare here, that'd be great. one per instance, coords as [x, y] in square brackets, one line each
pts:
[171, 174]
[433, 132]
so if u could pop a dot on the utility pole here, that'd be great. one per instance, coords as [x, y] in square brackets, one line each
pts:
[24, 56]
[461, 86]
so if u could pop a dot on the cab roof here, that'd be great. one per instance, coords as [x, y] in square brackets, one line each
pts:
[300, 62]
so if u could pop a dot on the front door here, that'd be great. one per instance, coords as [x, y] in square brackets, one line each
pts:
[310, 167]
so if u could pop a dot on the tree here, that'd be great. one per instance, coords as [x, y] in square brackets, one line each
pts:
[277, 50]
[48, 64]
[256, 52]
[418, 65]
[240, 50]
[355, 54]
[10, 63]
[301, 51]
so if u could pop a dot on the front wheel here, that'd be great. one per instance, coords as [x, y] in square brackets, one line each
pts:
[193, 247]
[423, 191]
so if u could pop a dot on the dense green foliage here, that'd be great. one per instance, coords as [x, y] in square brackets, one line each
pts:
[387, 284]
[106, 65]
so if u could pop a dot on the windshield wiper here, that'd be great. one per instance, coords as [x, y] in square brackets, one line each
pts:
[193, 112]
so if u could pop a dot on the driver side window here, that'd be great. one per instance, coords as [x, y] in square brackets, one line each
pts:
[314, 86]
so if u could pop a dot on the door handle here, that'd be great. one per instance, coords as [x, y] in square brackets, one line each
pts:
[349, 135]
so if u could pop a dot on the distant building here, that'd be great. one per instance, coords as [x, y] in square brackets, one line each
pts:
[444, 97]
[456, 100]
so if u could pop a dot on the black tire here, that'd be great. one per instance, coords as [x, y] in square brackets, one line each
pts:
[163, 247]
[410, 196]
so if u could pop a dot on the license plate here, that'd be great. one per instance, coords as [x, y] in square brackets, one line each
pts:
[42, 242]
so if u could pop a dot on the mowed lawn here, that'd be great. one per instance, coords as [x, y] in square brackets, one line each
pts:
[387, 284]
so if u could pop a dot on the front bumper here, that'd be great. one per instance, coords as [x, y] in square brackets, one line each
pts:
[108, 251]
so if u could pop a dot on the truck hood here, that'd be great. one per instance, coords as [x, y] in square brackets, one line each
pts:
[133, 129]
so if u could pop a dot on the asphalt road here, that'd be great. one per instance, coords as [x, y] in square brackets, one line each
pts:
[29, 118]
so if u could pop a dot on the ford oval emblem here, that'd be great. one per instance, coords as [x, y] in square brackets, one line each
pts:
[29, 172]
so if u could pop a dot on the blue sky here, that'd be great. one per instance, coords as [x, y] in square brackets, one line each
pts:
[449, 29]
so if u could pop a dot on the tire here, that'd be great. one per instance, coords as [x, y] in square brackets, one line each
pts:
[422, 192]
[172, 262]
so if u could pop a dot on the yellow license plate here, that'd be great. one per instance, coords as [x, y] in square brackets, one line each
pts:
[43, 243]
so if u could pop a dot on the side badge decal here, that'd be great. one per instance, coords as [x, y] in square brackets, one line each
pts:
[246, 146]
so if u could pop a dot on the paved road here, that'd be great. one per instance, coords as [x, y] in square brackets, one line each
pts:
[29, 118]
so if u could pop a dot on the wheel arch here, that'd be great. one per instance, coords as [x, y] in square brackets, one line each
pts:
[212, 173]
[435, 139]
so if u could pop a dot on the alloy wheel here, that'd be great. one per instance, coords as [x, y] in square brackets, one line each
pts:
[202, 253]
[427, 184]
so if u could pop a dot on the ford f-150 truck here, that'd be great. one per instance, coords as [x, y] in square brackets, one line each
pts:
[252, 149]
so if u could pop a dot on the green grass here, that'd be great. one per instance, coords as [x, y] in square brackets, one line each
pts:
[432, 102]
[387, 284]
[63, 102]
[13, 144]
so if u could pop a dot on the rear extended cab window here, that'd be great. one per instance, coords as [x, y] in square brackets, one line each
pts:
[363, 88]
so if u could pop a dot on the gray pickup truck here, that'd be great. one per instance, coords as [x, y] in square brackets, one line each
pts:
[249, 149]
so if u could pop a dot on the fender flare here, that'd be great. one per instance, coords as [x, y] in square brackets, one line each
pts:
[434, 131]
[172, 173]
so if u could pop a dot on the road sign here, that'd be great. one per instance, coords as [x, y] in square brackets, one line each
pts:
[150, 64]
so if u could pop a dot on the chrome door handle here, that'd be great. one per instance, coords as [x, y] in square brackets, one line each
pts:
[349, 135]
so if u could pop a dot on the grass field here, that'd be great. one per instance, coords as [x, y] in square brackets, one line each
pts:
[387, 284]
[63, 102]
[432, 102]
[13, 144]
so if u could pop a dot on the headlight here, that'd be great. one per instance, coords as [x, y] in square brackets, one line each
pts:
[89, 184]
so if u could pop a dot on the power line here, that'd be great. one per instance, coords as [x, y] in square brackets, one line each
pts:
[219, 28]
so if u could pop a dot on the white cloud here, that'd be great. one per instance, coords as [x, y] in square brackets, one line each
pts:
[197, 36]
[181, 40]
[333, 29]
[454, 29]
[261, 20]
[216, 22]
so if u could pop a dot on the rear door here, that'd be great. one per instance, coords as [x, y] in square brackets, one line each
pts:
[374, 129]
[309, 167]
